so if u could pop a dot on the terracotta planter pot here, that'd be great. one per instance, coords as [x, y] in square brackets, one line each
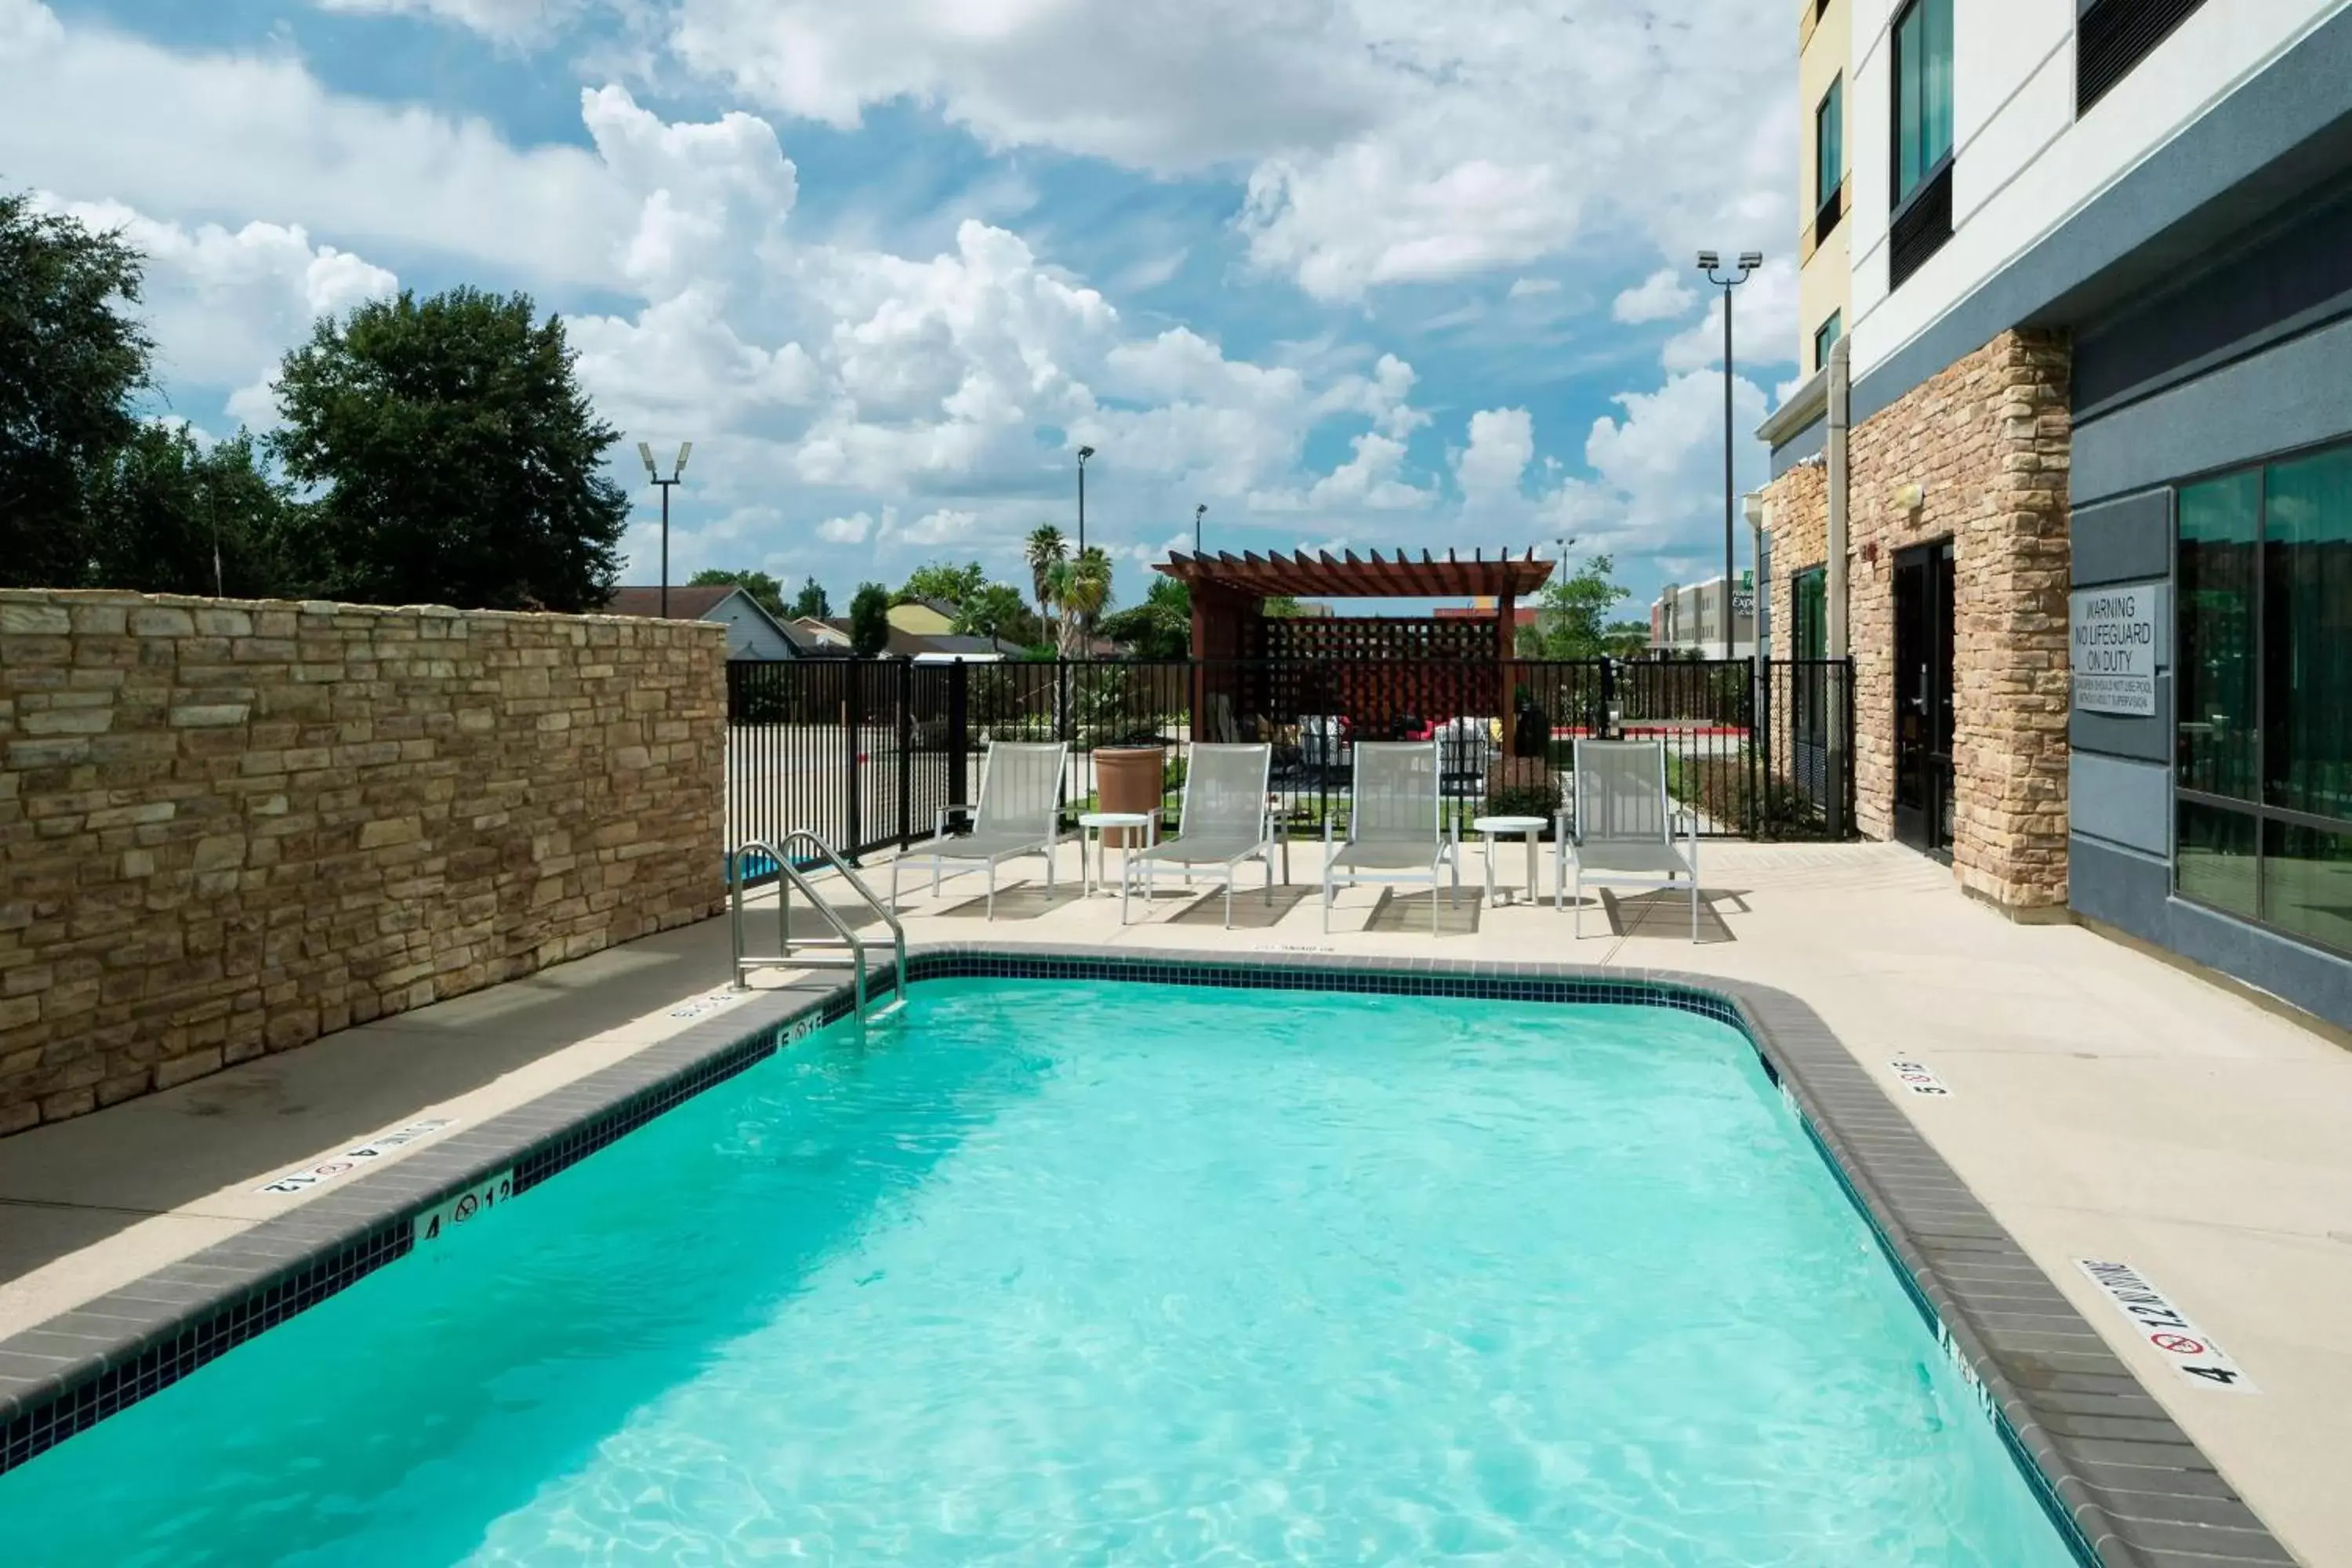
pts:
[1129, 778]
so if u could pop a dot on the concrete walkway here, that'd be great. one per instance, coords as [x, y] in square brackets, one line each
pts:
[2102, 1104]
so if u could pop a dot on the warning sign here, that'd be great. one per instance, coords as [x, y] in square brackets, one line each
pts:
[470, 1204]
[352, 1159]
[710, 1001]
[1914, 1077]
[2189, 1350]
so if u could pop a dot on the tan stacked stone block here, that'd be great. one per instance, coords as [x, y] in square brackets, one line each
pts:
[1988, 441]
[230, 827]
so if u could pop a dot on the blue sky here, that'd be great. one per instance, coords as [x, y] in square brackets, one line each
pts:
[1355, 273]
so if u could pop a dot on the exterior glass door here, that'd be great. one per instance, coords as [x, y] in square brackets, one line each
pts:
[1923, 698]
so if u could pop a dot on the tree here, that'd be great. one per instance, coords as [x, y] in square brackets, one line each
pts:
[461, 462]
[1280, 607]
[997, 613]
[1574, 621]
[944, 584]
[1160, 626]
[1045, 550]
[168, 516]
[71, 357]
[812, 601]
[1081, 589]
[766, 590]
[869, 620]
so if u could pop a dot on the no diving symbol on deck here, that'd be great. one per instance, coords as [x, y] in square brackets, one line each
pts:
[1914, 1077]
[2188, 1348]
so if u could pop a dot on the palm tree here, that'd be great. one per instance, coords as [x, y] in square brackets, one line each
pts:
[1045, 550]
[1082, 588]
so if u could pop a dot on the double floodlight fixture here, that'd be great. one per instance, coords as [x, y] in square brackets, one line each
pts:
[653, 470]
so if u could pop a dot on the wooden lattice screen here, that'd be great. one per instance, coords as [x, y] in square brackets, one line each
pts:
[1376, 638]
[1384, 673]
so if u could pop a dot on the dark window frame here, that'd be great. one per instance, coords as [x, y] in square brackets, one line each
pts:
[1900, 199]
[2258, 811]
[1828, 173]
[1834, 324]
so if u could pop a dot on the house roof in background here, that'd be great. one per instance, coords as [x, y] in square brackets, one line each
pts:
[686, 603]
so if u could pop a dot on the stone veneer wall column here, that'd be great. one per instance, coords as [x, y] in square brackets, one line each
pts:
[230, 827]
[1988, 440]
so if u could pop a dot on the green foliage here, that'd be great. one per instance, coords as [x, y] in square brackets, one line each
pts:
[1525, 799]
[869, 620]
[167, 516]
[1627, 639]
[995, 612]
[1574, 622]
[1279, 606]
[812, 601]
[1081, 590]
[943, 583]
[1044, 549]
[71, 357]
[759, 584]
[460, 459]
[1160, 626]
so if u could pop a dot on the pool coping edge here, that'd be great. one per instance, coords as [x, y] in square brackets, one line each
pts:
[73, 1370]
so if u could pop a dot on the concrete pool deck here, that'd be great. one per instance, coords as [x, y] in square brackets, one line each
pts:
[2103, 1105]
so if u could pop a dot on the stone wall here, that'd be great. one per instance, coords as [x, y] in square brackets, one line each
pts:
[230, 827]
[1987, 441]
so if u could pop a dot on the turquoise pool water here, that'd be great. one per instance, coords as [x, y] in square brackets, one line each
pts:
[1062, 1273]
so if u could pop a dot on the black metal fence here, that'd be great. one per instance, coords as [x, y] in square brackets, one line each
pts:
[868, 753]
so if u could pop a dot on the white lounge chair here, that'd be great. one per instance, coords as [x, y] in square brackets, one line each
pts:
[1019, 813]
[1622, 827]
[1225, 821]
[1396, 827]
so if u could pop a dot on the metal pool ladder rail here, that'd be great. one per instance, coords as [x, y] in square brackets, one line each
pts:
[845, 936]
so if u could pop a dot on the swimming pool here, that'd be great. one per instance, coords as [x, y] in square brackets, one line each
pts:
[1083, 1271]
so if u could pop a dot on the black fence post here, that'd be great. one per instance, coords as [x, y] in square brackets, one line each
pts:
[853, 831]
[959, 732]
[906, 755]
[1759, 747]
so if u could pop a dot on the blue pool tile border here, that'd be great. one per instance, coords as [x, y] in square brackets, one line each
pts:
[2127, 1487]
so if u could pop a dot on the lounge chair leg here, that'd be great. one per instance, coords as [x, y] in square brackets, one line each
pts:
[1327, 906]
[1580, 902]
[1229, 902]
[1693, 910]
[992, 890]
[894, 883]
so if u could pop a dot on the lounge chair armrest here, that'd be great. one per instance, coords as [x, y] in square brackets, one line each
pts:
[940, 822]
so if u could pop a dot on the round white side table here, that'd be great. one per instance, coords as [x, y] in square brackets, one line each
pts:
[1529, 828]
[1090, 829]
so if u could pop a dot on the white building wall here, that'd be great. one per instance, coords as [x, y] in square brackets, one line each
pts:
[2021, 162]
[749, 634]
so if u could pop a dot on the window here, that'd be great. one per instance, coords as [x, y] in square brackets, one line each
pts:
[1809, 626]
[2262, 672]
[1923, 93]
[1829, 160]
[1825, 336]
[1922, 219]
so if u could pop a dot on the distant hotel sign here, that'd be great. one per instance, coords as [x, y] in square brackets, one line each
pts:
[2118, 641]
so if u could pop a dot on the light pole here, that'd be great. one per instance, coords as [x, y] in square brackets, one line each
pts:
[1084, 453]
[1708, 263]
[1199, 512]
[645, 451]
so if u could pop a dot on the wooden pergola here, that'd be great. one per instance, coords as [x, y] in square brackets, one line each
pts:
[1378, 673]
[1229, 592]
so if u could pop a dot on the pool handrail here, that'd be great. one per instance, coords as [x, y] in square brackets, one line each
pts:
[790, 876]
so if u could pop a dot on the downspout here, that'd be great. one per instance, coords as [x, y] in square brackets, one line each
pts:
[1841, 744]
[1836, 545]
